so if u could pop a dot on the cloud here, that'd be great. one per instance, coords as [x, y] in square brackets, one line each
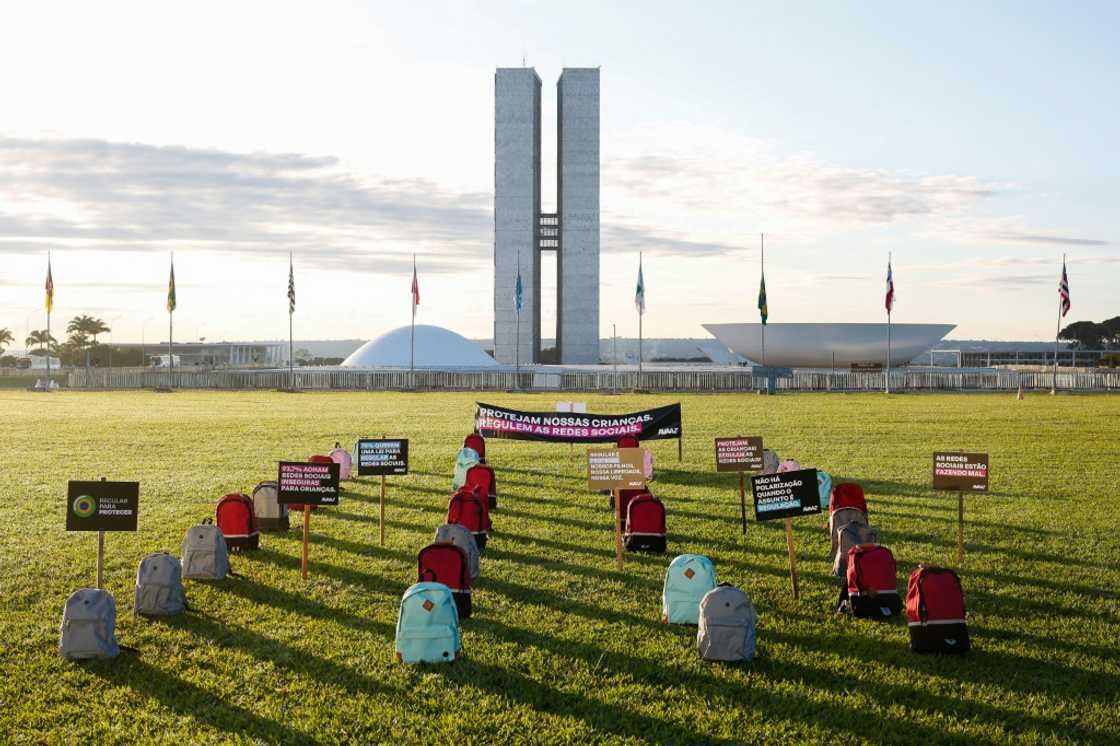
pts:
[1047, 239]
[622, 238]
[993, 281]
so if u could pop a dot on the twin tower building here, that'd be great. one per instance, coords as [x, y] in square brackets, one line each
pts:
[522, 231]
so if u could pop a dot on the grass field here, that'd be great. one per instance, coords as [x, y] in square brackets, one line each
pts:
[562, 648]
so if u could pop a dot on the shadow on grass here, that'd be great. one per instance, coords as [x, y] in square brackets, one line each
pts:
[370, 582]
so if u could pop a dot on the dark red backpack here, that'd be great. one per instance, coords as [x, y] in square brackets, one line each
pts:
[624, 498]
[935, 611]
[448, 564]
[477, 443]
[645, 524]
[847, 495]
[468, 508]
[872, 582]
[237, 522]
[482, 477]
[628, 441]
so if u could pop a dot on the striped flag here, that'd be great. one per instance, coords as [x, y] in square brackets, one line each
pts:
[640, 291]
[415, 287]
[1063, 289]
[291, 286]
[49, 286]
[890, 288]
[171, 288]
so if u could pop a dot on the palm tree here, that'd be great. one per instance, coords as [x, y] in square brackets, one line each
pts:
[40, 340]
[6, 338]
[83, 330]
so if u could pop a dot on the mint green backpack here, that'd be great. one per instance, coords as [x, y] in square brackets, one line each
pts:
[824, 487]
[465, 460]
[428, 625]
[688, 578]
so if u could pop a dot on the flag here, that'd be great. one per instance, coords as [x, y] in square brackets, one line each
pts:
[763, 312]
[518, 292]
[415, 288]
[171, 288]
[640, 291]
[291, 286]
[890, 289]
[49, 287]
[1063, 289]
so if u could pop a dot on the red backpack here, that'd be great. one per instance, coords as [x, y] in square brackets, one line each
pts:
[477, 443]
[448, 564]
[237, 522]
[628, 441]
[482, 477]
[935, 611]
[624, 498]
[645, 524]
[468, 508]
[847, 495]
[872, 582]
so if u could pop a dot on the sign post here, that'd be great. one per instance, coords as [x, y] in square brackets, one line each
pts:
[739, 454]
[381, 457]
[308, 484]
[616, 469]
[954, 470]
[102, 506]
[786, 495]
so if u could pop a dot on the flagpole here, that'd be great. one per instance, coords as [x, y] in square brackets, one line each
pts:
[49, 277]
[1057, 333]
[517, 330]
[171, 335]
[641, 312]
[412, 332]
[887, 372]
[291, 315]
[762, 239]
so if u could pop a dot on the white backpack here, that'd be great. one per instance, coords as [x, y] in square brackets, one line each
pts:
[159, 586]
[453, 533]
[271, 515]
[204, 552]
[727, 625]
[88, 629]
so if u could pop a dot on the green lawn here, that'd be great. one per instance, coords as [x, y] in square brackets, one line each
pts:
[562, 648]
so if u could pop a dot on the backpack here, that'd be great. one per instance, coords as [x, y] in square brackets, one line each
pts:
[482, 476]
[271, 515]
[477, 443]
[688, 578]
[872, 582]
[790, 464]
[824, 486]
[238, 523]
[726, 628]
[645, 525]
[455, 534]
[628, 441]
[468, 508]
[159, 586]
[88, 628]
[770, 461]
[849, 535]
[204, 553]
[428, 625]
[935, 611]
[464, 460]
[847, 495]
[624, 498]
[447, 564]
[341, 456]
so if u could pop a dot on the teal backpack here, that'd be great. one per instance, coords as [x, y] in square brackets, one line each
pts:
[428, 625]
[688, 578]
[465, 460]
[824, 485]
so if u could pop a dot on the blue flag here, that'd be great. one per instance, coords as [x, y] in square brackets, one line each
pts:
[517, 293]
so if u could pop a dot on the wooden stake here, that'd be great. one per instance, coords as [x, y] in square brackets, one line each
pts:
[680, 447]
[743, 501]
[100, 559]
[618, 527]
[960, 525]
[306, 537]
[792, 556]
[381, 512]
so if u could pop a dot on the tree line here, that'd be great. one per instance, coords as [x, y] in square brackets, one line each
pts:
[1089, 335]
[80, 346]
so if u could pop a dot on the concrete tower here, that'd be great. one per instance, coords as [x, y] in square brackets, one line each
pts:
[519, 226]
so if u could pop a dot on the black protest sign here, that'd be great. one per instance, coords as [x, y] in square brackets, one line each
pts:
[307, 483]
[102, 506]
[739, 454]
[967, 472]
[382, 456]
[786, 494]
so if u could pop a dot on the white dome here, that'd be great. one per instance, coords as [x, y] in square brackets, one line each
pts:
[436, 347]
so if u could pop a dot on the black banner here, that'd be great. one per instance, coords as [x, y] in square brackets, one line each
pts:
[786, 494]
[102, 506]
[307, 483]
[380, 457]
[577, 427]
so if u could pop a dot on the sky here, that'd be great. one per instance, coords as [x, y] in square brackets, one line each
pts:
[973, 142]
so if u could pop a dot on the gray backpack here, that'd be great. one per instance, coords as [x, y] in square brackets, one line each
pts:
[271, 515]
[770, 461]
[204, 552]
[159, 586]
[727, 625]
[845, 537]
[89, 622]
[453, 533]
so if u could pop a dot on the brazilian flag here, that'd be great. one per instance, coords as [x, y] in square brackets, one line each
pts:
[762, 310]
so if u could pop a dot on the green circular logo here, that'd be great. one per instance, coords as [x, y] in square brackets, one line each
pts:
[85, 506]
